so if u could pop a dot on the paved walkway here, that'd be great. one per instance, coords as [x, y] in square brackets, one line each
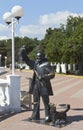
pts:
[67, 90]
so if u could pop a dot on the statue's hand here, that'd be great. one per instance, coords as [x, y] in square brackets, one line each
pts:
[22, 54]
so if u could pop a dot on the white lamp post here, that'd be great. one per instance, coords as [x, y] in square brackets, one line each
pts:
[0, 59]
[13, 18]
[5, 61]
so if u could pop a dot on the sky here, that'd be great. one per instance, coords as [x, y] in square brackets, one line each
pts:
[38, 16]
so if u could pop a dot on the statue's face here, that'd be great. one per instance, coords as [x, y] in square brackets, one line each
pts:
[39, 57]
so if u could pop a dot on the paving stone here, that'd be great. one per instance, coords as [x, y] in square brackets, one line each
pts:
[68, 89]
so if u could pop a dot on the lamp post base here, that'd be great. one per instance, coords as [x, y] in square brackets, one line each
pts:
[14, 92]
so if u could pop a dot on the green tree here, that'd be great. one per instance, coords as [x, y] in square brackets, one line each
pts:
[73, 45]
[55, 43]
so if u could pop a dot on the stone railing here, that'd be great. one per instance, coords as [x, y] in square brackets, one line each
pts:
[4, 95]
[2, 70]
[11, 98]
[10, 94]
[64, 68]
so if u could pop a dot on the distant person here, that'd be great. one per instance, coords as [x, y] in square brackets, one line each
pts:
[41, 85]
[10, 66]
[21, 67]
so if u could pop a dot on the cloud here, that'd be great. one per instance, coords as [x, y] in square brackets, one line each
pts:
[33, 31]
[5, 32]
[45, 21]
[3, 28]
[56, 18]
[4, 37]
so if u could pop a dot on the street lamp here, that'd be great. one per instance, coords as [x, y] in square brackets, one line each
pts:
[0, 59]
[5, 61]
[12, 18]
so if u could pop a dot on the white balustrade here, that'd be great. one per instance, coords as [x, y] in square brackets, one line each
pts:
[10, 94]
[4, 96]
[58, 68]
[63, 68]
[2, 70]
